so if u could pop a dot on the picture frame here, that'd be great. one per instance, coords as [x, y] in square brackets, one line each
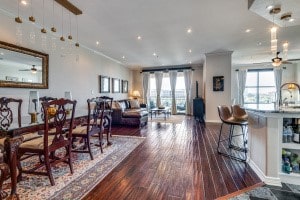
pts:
[124, 86]
[218, 83]
[104, 84]
[115, 85]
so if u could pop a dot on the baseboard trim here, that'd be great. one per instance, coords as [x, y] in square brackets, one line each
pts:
[266, 179]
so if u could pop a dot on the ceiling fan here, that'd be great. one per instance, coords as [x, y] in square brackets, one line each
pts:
[33, 70]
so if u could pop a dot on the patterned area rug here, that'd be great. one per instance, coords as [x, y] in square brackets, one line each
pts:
[87, 173]
[175, 119]
[287, 191]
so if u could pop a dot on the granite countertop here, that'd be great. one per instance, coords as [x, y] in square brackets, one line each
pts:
[269, 108]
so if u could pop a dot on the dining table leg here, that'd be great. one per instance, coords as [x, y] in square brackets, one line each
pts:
[11, 147]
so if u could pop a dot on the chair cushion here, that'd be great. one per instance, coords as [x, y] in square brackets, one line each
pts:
[37, 143]
[30, 136]
[80, 130]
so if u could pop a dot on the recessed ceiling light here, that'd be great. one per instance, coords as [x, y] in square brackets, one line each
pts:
[1, 53]
[291, 20]
[248, 30]
[154, 54]
[269, 7]
[123, 57]
[190, 62]
[97, 43]
[190, 50]
[189, 30]
[24, 2]
[139, 37]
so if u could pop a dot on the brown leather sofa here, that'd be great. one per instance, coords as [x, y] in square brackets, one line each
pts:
[129, 112]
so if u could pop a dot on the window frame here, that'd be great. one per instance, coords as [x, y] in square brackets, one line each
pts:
[257, 87]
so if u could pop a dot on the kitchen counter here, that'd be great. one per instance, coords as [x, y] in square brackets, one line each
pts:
[265, 143]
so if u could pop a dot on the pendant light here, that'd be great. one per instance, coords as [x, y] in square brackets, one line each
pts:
[77, 44]
[62, 25]
[70, 31]
[43, 30]
[18, 19]
[273, 12]
[53, 29]
[31, 18]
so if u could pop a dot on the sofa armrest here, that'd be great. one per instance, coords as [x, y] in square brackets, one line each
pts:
[143, 105]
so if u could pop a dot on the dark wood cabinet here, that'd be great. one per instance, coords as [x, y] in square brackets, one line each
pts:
[199, 109]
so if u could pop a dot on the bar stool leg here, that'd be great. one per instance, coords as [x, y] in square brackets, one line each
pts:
[220, 138]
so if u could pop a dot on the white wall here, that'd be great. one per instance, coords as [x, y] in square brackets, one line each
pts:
[217, 64]
[76, 72]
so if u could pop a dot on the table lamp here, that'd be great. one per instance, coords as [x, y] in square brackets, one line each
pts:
[136, 94]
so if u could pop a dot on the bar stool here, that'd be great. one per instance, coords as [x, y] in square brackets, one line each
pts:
[238, 117]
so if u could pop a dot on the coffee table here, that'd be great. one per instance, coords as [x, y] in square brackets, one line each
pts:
[165, 110]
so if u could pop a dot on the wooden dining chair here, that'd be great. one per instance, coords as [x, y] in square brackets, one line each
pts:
[107, 116]
[6, 120]
[93, 126]
[57, 135]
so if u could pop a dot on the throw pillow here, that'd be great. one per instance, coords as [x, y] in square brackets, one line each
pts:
[134, 104]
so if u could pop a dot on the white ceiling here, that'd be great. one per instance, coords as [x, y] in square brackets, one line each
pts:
[216, 25]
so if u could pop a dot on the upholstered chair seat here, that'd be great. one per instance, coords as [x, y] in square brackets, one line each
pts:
[37, 143]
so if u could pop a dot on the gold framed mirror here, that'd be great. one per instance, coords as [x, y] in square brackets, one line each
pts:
[22, 67]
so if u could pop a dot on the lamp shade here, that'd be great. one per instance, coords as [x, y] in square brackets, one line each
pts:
[136, 93]
[34, 102]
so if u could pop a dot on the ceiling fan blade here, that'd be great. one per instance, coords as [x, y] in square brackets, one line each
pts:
[286, 62]
[296, 59]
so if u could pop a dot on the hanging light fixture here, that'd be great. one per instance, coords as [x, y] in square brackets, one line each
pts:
[77, 44]
[275, 10]
[285, 17]
[70, 31]
[43, 30]
[62, 25]
[274, 40]
[31, 18]
[53, 29]
[18, 19]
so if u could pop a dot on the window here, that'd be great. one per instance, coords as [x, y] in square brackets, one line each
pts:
[166, 95]
[260, 87]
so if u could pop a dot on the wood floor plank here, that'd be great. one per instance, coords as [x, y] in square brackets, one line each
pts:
[176, 161]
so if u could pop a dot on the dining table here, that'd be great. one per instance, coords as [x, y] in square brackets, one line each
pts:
[14, 139]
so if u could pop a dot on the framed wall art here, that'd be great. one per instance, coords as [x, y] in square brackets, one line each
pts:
[104, 84]
[115, 85]
[218, 83]
[124, 86]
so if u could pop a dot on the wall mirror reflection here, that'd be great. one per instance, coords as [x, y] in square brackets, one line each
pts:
[22, 68]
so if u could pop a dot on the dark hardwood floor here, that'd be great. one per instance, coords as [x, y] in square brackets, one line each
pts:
[176, 161]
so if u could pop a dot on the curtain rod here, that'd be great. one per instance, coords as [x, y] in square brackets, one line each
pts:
[167, 69]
